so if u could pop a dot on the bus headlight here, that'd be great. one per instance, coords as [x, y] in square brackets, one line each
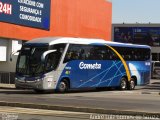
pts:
[37, 80]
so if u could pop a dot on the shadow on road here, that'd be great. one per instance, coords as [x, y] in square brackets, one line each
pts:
[23, 91]
[153, 86]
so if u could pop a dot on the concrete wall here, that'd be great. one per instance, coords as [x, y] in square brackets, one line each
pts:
[8, 66]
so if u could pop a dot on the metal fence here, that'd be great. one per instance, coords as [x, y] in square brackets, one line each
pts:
[7, 77]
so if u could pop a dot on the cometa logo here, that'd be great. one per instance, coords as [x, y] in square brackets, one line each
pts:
[82, 65]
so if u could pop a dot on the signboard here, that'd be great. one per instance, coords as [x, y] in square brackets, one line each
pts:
[138, 35]
[32, 13]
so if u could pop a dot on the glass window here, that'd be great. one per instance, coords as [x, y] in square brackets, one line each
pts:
[98, 52]
[134, 54]
[154, 56]
[157, 64]
[29, 60]
[89, 52]
[53, 59]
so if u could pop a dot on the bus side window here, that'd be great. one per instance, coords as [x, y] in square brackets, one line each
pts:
[81, 54]
[52, 61]
[67, 56]
[72, 53]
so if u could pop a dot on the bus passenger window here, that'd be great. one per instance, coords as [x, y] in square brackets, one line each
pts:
[52, 61]
[81, 54]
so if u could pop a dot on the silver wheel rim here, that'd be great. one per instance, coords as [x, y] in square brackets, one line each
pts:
[62, 86]
[132, 84]
[123, 84]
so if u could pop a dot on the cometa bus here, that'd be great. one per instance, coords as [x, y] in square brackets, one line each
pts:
[76, 63]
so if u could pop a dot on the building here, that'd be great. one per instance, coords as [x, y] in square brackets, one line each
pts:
[145, 34]
[24, 20]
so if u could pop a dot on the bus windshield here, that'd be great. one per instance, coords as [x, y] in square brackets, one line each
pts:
[29, 61]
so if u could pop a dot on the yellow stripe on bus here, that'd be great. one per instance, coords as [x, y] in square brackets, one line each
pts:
[123, 61]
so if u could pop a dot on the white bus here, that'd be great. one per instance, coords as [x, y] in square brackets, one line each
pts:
[69, 63]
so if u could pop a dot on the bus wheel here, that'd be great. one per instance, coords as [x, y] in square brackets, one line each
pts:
[131, 84]
[39, 91]
[123, 84]
[63, 86]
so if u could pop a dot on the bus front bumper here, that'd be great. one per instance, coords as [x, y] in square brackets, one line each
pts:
[40, 84]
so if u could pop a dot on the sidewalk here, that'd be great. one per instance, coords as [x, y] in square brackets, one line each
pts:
[7, 86]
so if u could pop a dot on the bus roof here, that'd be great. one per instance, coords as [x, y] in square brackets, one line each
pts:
[56, 40]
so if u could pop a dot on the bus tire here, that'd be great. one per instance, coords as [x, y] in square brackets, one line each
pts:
[63, 86]
[38, 91]
[131, 85]
[123, 84]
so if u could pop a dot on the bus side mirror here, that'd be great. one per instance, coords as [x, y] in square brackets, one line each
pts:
[13, 53]
[45, 54]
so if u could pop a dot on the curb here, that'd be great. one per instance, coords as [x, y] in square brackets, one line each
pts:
[7, 86]
[78, 109]
[153, 93]
[137, 92]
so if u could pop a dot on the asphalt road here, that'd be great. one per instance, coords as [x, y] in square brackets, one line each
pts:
[143, 100]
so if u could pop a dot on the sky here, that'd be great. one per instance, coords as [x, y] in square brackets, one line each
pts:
[132, 11]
